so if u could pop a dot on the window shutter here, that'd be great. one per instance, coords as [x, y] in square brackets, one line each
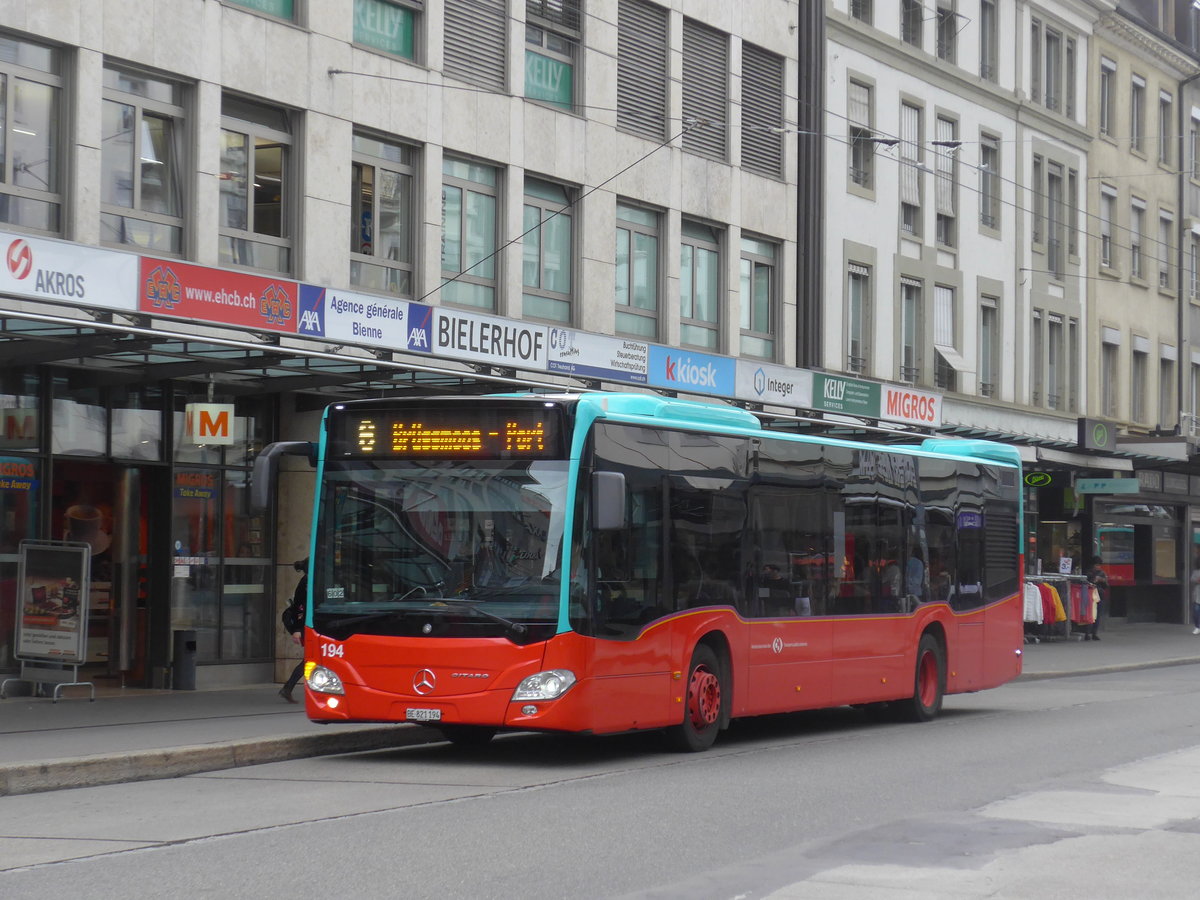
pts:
[705, 89]
[762, 111]
[475, 42]
[943, 316]
[642, 69]
[945, 167]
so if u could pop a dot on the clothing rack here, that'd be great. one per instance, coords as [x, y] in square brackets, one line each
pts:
[1038, 630]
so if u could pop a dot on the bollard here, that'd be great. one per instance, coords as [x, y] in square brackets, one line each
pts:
[183, 663]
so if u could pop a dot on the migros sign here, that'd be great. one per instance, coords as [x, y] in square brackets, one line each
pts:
[208, 423]
[911, 406]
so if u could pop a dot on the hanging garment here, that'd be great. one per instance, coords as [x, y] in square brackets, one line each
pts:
[1060, 614]
[1047, 602]
[1033, 603]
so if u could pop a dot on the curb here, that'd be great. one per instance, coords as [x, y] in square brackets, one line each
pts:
[1115, 667]
[147, 765]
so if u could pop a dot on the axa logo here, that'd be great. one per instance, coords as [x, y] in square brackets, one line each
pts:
[162, 288]
[421, 318]
[684, 371]
[275, 305]
[19, 259]
[312, 311]
[310, 321]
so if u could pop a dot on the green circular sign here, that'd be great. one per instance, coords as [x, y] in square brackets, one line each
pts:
[1100, 434]
[1038, 479]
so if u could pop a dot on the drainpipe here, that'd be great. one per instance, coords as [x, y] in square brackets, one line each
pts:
[810, 183]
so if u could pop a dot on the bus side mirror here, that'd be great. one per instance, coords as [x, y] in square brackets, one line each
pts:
[608, 501]
[262, 477]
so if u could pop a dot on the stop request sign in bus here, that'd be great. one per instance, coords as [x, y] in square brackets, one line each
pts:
[605, 562]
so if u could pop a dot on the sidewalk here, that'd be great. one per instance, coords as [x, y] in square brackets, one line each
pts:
[135, 735]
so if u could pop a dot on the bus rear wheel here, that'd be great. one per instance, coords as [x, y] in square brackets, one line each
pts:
[468, 735]
[703, 710]
[929, 681]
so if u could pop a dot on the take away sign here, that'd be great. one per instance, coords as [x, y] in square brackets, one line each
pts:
[208, 423]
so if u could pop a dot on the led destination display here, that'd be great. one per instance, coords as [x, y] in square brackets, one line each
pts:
[457, 432]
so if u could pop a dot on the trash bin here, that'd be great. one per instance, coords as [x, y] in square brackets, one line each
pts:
[183, 664]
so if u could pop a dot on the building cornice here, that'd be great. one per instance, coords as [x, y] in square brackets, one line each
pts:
[1118, 28]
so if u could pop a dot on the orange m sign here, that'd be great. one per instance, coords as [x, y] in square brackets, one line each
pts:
[208, 423]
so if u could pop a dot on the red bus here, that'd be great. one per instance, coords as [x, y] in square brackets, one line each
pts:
[605, 562]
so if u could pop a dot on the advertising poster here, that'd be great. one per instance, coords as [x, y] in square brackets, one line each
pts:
[67, 273]
[171, 288]
[53, 600]
[596, 356]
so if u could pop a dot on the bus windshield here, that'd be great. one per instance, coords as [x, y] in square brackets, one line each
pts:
[448, 548]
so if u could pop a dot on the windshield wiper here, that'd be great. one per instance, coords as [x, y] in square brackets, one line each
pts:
[515, 627]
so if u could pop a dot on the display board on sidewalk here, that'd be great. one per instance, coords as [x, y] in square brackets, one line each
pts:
[52, 603]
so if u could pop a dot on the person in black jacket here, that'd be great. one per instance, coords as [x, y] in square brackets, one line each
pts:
[1099, 579]
[293, 621]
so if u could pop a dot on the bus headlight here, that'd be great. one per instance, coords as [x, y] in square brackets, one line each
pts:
[321, 680]
[545, 685]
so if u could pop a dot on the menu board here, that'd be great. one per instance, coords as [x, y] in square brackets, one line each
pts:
[52, 579]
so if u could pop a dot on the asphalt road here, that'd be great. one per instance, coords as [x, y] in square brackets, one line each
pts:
[1072, 787]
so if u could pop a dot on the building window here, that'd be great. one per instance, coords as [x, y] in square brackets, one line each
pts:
[1194, 163]
[1166, 388]
[141, 155]
[1137, 114]
[1072, 220]
[989, 346]
[1037, 353]
[858, 318]
[1194, 269]
[1055, 370]
[863, 10]
[389, 26]
[1166, 129]
[1137, 386]
[383, 215]
[1072, 363]
[1035, 61]
[1054, 69]
[945, 339]
[476, 38]
[1108, 99]
[989, 181]
[1166, 225]
[910, 330]
[1037, 202]
[547, 262]
[947, 32]
[1108, 203]
[642, 68]
[256, 185]
[1069, 78]
[862, 137]
[762, 111]
[1108, 379]
[988, 44]
[699, 286]
[910, 172]
[1054, 218]
[1137, 218]
[280, 9]
[912, 22]
[946, 183]
[30, 135]
[637, 271]
[469, 201]
[553, 31]
[757, 288]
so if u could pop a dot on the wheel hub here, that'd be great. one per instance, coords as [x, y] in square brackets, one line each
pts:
[704, 698]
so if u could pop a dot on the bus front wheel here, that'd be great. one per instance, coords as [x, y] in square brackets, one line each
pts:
[702, 710]
[929, 682]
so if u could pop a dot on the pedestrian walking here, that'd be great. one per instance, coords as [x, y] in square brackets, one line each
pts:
[293, 621]
[1099, 579]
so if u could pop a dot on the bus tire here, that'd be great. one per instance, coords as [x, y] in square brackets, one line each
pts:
[703, 707]
[467, 735]
[929, 681]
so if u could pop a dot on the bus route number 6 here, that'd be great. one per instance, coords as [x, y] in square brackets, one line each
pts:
[328, 650]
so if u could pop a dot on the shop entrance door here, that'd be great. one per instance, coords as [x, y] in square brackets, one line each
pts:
[106, 506]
